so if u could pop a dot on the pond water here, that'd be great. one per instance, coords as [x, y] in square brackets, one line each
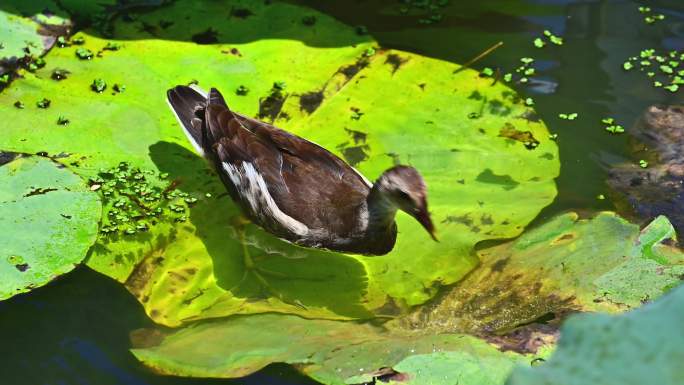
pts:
[75, 331]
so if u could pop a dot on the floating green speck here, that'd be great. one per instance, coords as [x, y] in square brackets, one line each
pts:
[98, 85]
[487, 72]
[84, 53]
[43, 103]
[242, 90]
[570, 116]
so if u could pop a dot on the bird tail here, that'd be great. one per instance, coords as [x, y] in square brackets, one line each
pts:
[188, 104]
[193, 107]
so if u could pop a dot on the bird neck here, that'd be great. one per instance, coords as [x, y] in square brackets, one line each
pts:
[381, 211]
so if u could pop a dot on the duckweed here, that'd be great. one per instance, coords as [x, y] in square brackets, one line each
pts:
[550, 37]
[98, 85]
[662, 68]
[43, 103]
[59, 74]
[649, 16]
[242, 90]
[84, 53]
[487, 72]
[611, 126]
[135, 200]
[111, 46]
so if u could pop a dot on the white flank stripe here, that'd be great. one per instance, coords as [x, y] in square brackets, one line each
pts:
[251, 185]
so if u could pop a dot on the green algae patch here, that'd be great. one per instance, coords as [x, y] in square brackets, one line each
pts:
[49, 220]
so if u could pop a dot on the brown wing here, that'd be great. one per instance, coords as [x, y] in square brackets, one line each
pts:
[306, 181]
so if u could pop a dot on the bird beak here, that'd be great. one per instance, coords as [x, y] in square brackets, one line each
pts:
[423, 217]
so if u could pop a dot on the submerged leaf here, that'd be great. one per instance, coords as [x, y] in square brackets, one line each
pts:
[331, 352]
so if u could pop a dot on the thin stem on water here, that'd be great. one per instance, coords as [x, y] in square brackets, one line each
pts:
[480, 56]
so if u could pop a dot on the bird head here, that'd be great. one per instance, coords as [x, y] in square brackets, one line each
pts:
[405, 188]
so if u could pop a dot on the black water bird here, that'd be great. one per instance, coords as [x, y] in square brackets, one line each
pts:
[296, 189]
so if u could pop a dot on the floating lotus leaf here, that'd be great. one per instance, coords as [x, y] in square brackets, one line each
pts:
[332, 352]
[565, 265]
[49, 220]
[644, 346]
[562, 266]
[22, 37]
[487, 160]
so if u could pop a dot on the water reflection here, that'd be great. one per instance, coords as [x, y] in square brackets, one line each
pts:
[75, 331]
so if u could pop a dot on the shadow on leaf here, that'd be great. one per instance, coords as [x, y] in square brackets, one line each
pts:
[311, 277]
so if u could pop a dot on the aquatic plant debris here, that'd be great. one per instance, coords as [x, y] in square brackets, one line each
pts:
[189, 265]
[49, 220]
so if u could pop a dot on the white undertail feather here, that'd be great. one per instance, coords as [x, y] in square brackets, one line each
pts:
[251, 185]
[192, 140]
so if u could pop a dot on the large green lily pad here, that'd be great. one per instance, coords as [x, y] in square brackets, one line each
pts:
[566, 265]
[505, 312]
[49, 220]
[488, 162]
[644, 346]
[332, 352]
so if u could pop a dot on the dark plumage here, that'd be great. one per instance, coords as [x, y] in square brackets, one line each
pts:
[294, 188]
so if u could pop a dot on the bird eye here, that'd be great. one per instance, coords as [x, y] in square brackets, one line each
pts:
[404, 195]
